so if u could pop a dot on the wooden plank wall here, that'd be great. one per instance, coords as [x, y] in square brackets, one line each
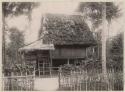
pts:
[69, 53]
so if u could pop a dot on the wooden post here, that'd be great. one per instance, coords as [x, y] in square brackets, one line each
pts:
[43, 68]
[59, 77]
[86, 80]
[23, 58]
[21, 61]
[10, 83]
[93, 51]
[38, 68]
[98, 51]
[68, 61]
[50, 63]
[34, 74]
[26, 73]
[33, 79]
[86, 52]
[18, 54]
[20, 58]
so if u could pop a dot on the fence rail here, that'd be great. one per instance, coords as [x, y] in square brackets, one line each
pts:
[24, 80]
[21, 80]
[85, 80]
[13, 83]
[72, 80]
[48, 72]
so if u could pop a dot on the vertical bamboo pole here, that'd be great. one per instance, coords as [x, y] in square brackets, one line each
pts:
[43, 67]
[59, 77]
[33, 85]
[11, 85]
[50, 63]
[86, 79]
[38, 68]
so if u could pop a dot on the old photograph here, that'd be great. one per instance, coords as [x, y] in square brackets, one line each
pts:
[62, 46]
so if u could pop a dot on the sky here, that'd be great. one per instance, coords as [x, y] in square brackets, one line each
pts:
[31, 31]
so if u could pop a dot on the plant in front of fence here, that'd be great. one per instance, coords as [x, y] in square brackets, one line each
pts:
[79, 78]
[20, 78]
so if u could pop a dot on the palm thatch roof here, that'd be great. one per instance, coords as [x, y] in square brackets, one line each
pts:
[66, 30]
[37, 45]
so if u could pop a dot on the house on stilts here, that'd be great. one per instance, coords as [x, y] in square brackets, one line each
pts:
[63, 39]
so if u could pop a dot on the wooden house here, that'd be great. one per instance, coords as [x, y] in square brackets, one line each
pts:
[63, 39]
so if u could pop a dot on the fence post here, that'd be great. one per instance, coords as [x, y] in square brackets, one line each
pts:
[3, 80]
[34, 72]
[60, 76]
[33, 78]
[39, 71]
[50, 71]
[86, 79]
[10, 84]
[77, 81]
[113, 79]
[80, 81]
[71, 80]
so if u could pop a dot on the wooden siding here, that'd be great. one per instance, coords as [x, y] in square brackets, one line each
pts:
[68, 53]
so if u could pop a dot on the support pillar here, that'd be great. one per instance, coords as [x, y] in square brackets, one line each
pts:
[50, 63]
[68, 61]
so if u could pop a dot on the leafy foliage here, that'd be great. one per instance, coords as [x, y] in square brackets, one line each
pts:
[94, 11]
[14, 9]
[115, 56]
[17, 40]
[17, 8]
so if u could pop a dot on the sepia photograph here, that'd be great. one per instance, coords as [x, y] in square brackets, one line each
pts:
[63, 46]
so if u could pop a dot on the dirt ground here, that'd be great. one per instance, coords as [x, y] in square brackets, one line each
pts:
[46, 84]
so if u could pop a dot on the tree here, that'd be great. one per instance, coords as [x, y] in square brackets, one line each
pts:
[98, 13]
[18, 8]
[16, 41]
[14, 9]
[116, 52]
[93, 12]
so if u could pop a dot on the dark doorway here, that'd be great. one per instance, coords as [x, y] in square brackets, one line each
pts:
[58, 62]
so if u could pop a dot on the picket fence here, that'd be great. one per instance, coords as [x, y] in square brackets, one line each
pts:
[84, 80]
[69, 80]
[23, 81]
[12, 83]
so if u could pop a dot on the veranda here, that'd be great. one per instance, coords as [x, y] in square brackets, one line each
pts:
[47, 58]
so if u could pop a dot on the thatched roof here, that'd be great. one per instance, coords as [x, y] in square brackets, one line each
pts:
[37, 45]
[66, 30]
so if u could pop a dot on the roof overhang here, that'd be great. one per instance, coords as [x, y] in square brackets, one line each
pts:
[37, 46]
